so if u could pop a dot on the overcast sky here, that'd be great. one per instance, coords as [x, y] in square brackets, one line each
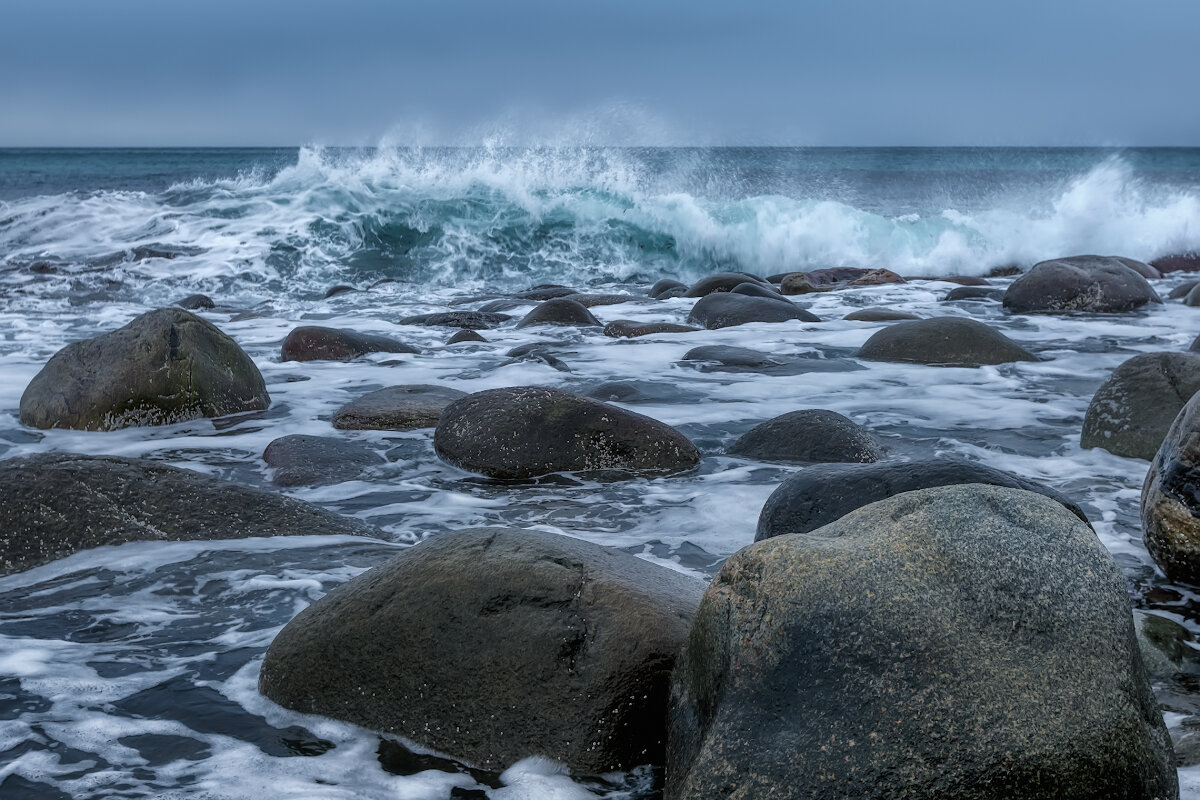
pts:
[804, 72]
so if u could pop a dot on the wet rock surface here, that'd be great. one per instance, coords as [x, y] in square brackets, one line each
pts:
[1080, 283]
[397, 408]
[944, 342]
[1131, 413]
[317, 343]
[810, 435]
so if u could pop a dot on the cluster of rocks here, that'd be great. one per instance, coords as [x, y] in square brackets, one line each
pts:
[862, 645]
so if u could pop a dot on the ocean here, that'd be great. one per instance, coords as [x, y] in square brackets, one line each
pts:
[132, 671]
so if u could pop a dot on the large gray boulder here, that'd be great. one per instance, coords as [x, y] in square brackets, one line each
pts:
[1080, 283]
[166, 366]
[526, 431]
[55, 504]
[1132, 411]
[491, 645]
[1171, 498]
[397, 408]
[810, 435]
[943, 342]
[959, 643]
[726, 309]
[823, 493]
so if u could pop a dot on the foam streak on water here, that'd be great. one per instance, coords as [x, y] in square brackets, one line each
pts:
[132, 671]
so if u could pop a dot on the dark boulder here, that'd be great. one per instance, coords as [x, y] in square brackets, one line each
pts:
[959, 643]
[665, 285]
[526, 431]
[302, 460]
[466, 336]
[493, 645]
[732, 356]
[341, 288]
[1192, 298]
[823, 493]
[1183, 289]
[166, 366]
[195, 302]
[964, 280]
[315, 343]
[943, 342]
[559, 311]
[974, 293]
[593, 300]
[726, 309]
[811, 435]
[1187, 262]
[631, 329]
[1132, 411]
[469, 320]
[879, 314]
[546, 292]
[397, 408]
[56, 504]
[1171, 498]
[497, 306]
[538, 351]
[1140, 267]
[756, 290]
[820, 280]
[719, 282]
[1079, 283]
[671, 294]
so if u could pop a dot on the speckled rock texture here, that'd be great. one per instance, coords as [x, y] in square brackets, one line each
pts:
[58, 503]
[166, 366]
[952, 643]
[526, 431]
[491, 645]
[1132, 411]
[1171, 498]
[397, 408]
[1080, 283]
[943, 342]
[810, 435]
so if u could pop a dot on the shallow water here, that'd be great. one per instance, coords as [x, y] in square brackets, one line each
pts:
[132, 671]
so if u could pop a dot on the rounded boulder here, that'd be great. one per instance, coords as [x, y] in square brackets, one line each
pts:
[811, 435]
[726, 309]
[1080, 283]
[1132, 411]
[943, 342]
[1171, 498]
[397, 408]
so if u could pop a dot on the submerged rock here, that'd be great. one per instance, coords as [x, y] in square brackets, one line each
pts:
[726, 309]
[732, 356]
[631, 329]
[822, 493]
[811, 435]
[492, 645]
[888, 654]
[878, 314]
[943, 342]
[166, 366]
[194, 302]
[1183, 289]
[588, 300]
[719, 282]
[56, 504]
[1171, 498]
[397, 408]
[548, 291]
[302, 460]
[977, 293]
[470, 320]
[1132, 411]
[1080, 283]
[665, 285]
[1184, 262]
[526, 431]
[315, 343]
[752, 289]
[466, 336]
[559, 311]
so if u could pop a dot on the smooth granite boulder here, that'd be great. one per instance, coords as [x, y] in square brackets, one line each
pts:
[1132, 411]
[720, 282]
[755, 289]
[665, 285]
[959, 643]
[1171, 498]
[975, 293]
[1079, 283]
[631, 329]
[822, 493]
[492, 645]
[559, 311]
[726, 309]
[526, 431]
[879, 314]
[728, 356]
[397, 408]
[55, 504]
[467, 320]
[1182, 289]
[943, 342]
[466, 336]
[317, 343]
[165, 366]
[302, 460]
[810, 435]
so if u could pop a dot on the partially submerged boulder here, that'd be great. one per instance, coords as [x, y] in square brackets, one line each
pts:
[466, 320]
[302, 460]
[1171, 498]
[1132, 411]
[631, 329]
[720, 282]
[559, 311]
[665, 285]
[810, 435]
[879, 314]
[526, 431]
[55, 504]
[822, 493]
[317, 343]
[492, 645]
[397, 408]
[726, 309]
[165, 366]
[944, 342]
[1080, 283]
[962, 642]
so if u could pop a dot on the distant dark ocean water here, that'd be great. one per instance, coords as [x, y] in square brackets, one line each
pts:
[297, 220]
